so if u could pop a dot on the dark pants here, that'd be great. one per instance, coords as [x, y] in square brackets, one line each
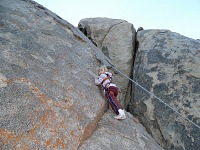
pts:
[111, 96]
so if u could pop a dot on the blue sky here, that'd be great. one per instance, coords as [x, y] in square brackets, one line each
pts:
[181, 16]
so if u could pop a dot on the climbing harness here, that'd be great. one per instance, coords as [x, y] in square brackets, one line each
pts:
[156, 97]
[108, 79]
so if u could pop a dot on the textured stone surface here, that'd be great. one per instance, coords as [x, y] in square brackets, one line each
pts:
[113, 134]
[46, 90]
[47, 96]
[168, 65]
[116, 38]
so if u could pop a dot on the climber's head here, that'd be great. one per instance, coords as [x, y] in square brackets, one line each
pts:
[102, 69]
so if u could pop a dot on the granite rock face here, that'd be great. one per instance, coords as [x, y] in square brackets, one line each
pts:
[48, 99]
[116, 38]
[113, 134]
[168, 65]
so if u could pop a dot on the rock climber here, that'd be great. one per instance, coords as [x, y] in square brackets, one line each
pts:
[110, 91]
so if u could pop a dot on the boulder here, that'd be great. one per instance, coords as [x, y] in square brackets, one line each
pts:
[167, 64]
[48, 99]
[116, 38]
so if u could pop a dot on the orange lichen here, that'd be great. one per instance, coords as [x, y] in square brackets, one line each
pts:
[60, 104]
[47, 121]
[73, 134]
[48, 142]
[9, 137]
[5, 134]
[22, 146]
[23, 80]
[91, 126]
[79, 116]
[11, 81]
[70, 106]
[41, 97]
[28, 96]
[19, 137]
[33, 131]
[62, 124]
[36, 83]
[59, 143]
[44, 118]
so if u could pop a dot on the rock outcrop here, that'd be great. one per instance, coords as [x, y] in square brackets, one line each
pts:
[47, 96]
[112, 134]
[168, 65]
[116, 38]
[48, 99]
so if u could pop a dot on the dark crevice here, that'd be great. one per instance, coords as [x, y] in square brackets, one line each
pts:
[86, 33]
[135, 49]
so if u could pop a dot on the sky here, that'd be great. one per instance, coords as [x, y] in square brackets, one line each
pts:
[181, 16]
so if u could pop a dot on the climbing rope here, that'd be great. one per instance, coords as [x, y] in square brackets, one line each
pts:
[146, 91]
[156, 97]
